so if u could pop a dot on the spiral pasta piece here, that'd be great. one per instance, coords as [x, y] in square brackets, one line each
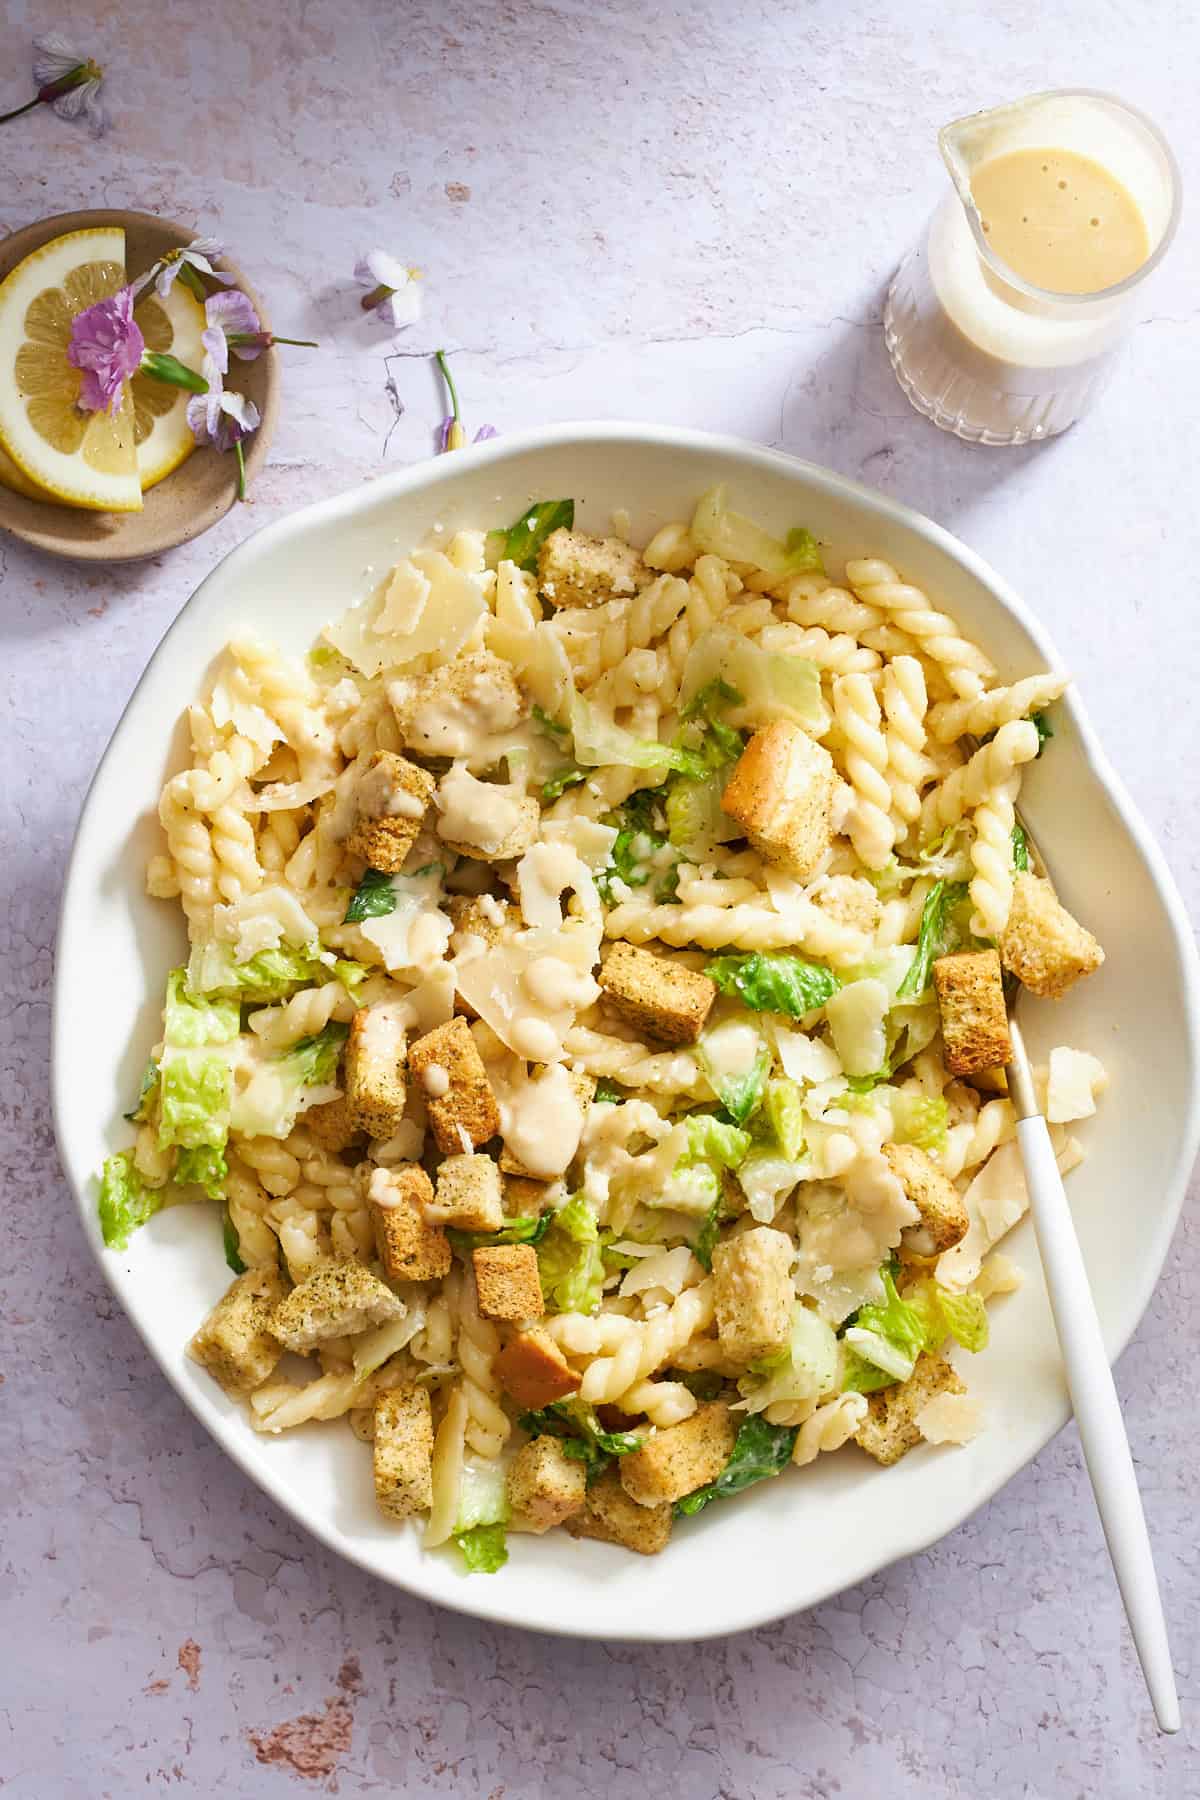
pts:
[939, 638]
[189, 844]
[953, 719]
[904, 703]
[631, 1351]
[304, 1015]
[991, 767]
[829, 1427]
[991, 885]
[488, 1426]
[869, 826]
[799, 925]
[248, 1202]
[664, 1403]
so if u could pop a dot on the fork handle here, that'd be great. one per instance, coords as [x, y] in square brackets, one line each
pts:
[1098, 1415]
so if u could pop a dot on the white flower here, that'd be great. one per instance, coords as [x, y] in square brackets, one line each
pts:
[53, 62]
[395, 295]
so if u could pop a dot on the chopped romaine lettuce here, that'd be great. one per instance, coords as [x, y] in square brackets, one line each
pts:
[194, 1102]
[191, 1019]
[1020, 847]
[203, 1166]
[523, 540]
[722, 532]
[804, 1371]
[636, 844]
[889, 1334]
[944, 1314]
[565, 778]
[920, 1119]
[582, 1437]
[570, 1261]
[311, 1061]
[737, 1062]
[147, 1093]
[937, 935]
[125, 1200]
[711, 699]
[773, 981]
[484, 1548]
[784, 1108]
[608, 1093]
[759, 1450]
[232, 1243]
[271, 975]
[1044, 728]
[765, 1178]
[552, 727]
[525, 1230]
[599, 742]
[373, 898]
[774, 684]
[713, 1140]
[705, 1241]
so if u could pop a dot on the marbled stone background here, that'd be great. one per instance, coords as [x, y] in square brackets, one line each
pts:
[685, 212]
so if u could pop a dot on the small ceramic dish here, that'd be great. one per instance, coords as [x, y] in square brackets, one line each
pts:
[202, 489]
[791, 1542]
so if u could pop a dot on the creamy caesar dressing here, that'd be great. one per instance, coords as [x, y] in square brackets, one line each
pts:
[480, 813]
[475, 721]
[1060, 220]
[541, 1121]
[380, 796]
[435, 1080]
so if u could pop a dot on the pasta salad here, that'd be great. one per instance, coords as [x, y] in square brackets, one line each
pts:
[593, 1031]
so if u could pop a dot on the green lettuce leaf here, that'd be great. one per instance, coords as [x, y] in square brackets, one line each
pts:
[271, 975]
[945, 1313]
[718, 529]
[312, 1061]
[583, 1439]
[608, 1093]
[125, 1200]
[570, 1260]
[898, 1331]
[1044, 728]
[804, 1370]
[938, 934]
[565, 778]
[484, 1548]
[525, 1230]
[599, 742]
[784, 1109]
[147, 1093]
[711, 700]
[740, 1094]
[192, 1019]
[705, 1241]
[205, 1167]
[760, 1450]
[373, 898]
[714, 1141]
[232, 1243]
[194, 1101]
[920, 1119]
[638, 838]
[1020, 847]
[552, 727]
[523, 540]
[773, 981]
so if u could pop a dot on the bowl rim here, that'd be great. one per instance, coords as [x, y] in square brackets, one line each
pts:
[438, 474]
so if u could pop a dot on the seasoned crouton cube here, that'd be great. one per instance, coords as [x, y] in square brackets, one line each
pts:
[754, 1293]
[943, 1219]
[781, 794]
[577, 570]
[681, 1458]
[236, 1343]
[655, 995]
[458, 1096]
[391, 800]
[611, 1516]
[336, 1300]
[403, 1451]
[890, 1428]
[1043, 946]
[333, 1124]
[525, 1198]
[545, 1485]
[533, 1370]
[458, 707]
[411, 1247]
[468, 1193]
[583, 1087]
[488, 821]
[506, 1276]
[478, 915]
[374, 1067]
[970, 996]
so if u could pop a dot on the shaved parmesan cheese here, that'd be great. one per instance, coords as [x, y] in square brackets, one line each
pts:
[403, 601]
[999, 1275]
[669, 1269]
[949, 1418]
[1074, 1080]
[229, 706]
[453, 609]
[804, 1058]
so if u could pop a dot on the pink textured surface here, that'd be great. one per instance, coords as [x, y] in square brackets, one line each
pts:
[678, 212]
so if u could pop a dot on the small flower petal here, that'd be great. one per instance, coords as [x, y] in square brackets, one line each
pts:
[216, 353]
[106, 345]
[401, 308]
[378, 269]
[485, 432]
[53, 58]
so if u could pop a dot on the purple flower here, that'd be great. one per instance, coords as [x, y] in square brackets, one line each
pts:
[221, 418]
[107, 346]
[485, 432]
[395, 295]
[195, 258]
[66, 81]
[232, 321]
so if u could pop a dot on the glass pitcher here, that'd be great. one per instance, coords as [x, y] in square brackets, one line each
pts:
[978, 349]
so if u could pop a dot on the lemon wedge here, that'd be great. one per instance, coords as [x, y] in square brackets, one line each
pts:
[82, 459]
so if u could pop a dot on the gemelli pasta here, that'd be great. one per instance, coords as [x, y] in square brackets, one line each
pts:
[593, 1026]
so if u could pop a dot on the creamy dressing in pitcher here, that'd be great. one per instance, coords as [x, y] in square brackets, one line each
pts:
[1060, 220]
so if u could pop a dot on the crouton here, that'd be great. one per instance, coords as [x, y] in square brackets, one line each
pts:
[333, 1125]
[526, 1198]
[970, 997]
[403, 1454]
[577, 570]
[1043, 946]
[468, 1193]
[545, 1485]
[235, 1343]
[943, 1219]
[458, 1096]
[336, 1300]
[584, 1088]
[411, 1247]
[533, 1370]
[391, 800]
[508, 1283]
[374, 1070]
[488, 821]
[681, 1458]
[781, 794]
[458, 707]
[890, 1429]
[478, 915]
[611, 1516]
[655, 995]
[754, 1293]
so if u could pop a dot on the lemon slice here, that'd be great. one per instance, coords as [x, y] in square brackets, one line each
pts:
[160, 429]
[84, 459]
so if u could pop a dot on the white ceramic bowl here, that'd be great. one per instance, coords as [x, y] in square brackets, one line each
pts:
[791, 1542]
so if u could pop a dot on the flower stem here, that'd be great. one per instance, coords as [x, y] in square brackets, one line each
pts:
[18, 110]
[444, 366]
[191, 280]
[377, 295]
[301, 343]
[169, 369]
[241, 463]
